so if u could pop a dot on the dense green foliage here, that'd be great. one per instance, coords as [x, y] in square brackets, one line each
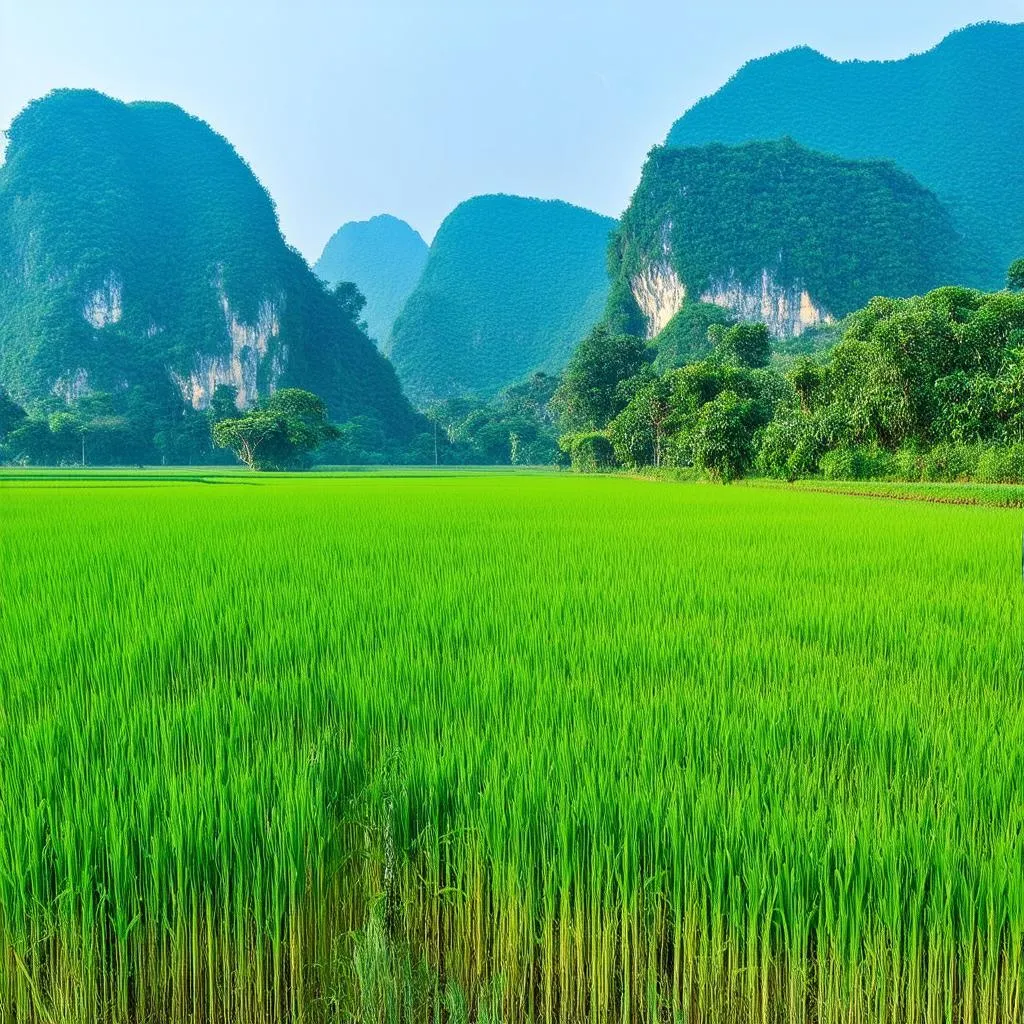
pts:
[518, 427]
[98, 430]
[593, 749]
[930, 387]
[281, 432]
[384, 257]
[147, 216]
[686, 338]
[951, 117]
[1015, 276]
[843, 230]
[510, 287]
[589, 394]
[747, 344]
[11, 415]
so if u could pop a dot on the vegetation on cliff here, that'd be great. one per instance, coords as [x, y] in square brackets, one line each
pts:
[722, 217]
[952, 117]
[141, 264]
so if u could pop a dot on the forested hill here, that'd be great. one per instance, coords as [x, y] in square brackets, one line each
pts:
[384, 257]
[141, 260]
[952, 117]
[510, 287]
[774, 232]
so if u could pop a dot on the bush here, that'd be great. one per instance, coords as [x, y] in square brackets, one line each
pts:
[950, 461]
[1001, 465]
[789, 448]
[722, 440]
[905, 463]
[588, 451]
[851, 462]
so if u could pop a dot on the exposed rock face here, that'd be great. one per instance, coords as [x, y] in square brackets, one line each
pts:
[90, 305]
[787, 311]
[659, 293]
[250, 345]
[104, 306]
[73, 386]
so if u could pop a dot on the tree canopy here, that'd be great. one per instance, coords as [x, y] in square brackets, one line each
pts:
[927, 385]
[280, 433]
[1015, 276]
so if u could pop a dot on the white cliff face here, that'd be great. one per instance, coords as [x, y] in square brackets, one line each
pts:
[72, 386]
[659, 293]
[250, 344]
[787, 311]
[104, 306]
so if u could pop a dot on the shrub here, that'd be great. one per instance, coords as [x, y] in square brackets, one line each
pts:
[850, 462]
[905, 463]
[588, 451]
[789, 448]
[722, 442]
[1001, 465]
[950, 461]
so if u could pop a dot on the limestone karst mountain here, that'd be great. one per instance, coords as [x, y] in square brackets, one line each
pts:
[952, 117]
[776, 233]
[510, 287]
[141, 259]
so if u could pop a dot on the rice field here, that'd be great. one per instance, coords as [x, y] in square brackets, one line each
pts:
[506, 748]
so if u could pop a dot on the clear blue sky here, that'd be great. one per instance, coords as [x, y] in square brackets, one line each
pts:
[355, 107]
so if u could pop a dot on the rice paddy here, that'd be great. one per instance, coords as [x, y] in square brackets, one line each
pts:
[506, 748]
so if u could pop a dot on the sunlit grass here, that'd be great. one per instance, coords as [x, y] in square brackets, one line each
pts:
[574, 749]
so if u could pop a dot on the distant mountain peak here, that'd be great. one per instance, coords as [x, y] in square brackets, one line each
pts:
[384, 257]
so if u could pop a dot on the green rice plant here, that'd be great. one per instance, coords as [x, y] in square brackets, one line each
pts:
[474, 747]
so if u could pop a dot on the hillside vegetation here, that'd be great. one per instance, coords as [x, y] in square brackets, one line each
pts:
[141, 265]
[721, 218]
[510, 287]
[384, 257]
[952, 117]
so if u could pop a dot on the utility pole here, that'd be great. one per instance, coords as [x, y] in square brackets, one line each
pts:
[435, 443]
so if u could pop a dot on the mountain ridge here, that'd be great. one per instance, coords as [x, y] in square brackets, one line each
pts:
[958, 131]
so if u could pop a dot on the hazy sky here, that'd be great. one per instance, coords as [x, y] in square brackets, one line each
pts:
[357, 107]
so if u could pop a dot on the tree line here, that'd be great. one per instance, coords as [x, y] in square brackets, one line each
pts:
[928, 387]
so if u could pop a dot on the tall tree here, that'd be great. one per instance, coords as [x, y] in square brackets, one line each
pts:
[587, 397]
[279, 434]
